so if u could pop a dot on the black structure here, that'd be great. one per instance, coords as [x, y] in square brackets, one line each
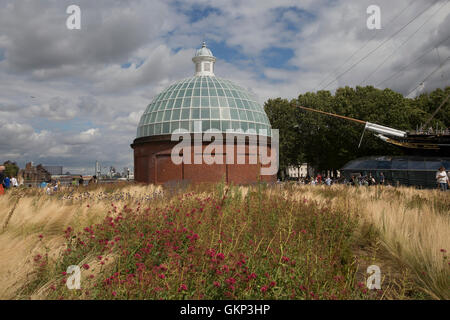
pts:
[403, 170]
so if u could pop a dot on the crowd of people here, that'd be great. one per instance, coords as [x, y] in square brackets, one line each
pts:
[7, 181]
[50, 186]
[362, 179]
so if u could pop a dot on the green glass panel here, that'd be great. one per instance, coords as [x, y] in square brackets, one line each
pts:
[151, 130]
[215, 113]
[176, 114]
[195, 102]
[196, 92]
[246, 105]
[170, 104]
[166, 128]
[158, 128]
[175, 125]
[160, 115]
[214, 101]
[205, 92]
[181, 93]
[178, 103]
[244, 126]
[188, 92]
[212, 92]
[239, 104]
[226, 125]
[234, 114]
[184, 125]
[206, 125]
[186, 102]
[174, 94]
[162, 105]
[205, 102]
[167, 115]
[204, 84]
[206, 113]
[223, 102]
[195, 113]
[220, 92]
[185, 114]
[250, 116]
[215, 124]
[242, 115]
[152, 119]
[235, 125]
[231, 103]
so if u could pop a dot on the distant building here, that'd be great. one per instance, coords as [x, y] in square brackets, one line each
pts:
[54, 170]
[34, 174]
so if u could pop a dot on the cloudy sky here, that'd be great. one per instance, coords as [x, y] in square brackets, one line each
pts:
[70, 97]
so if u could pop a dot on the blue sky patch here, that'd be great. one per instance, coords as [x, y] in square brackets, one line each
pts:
[278, 58]
[296, 17]
[196, 12]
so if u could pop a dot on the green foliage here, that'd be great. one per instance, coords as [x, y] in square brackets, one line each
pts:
[328, 142]
[11, 169]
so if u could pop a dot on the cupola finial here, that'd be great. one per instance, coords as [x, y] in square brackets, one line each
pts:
[204, 61]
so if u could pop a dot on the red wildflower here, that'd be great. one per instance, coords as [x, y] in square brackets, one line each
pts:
[86, 266]
[183, 287]
[264, 289]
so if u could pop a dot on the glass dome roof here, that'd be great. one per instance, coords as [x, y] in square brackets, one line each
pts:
[218, 103]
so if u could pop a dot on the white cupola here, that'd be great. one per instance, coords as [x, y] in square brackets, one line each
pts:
[204, 62]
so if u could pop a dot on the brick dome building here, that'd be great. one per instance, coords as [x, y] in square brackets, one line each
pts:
[195, 106]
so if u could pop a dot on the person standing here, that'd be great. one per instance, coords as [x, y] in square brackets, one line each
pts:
[14, 182]
[81, 181]
[2, 178]
[381, 178]
[442, 179]
[328, 181]
[7, 182]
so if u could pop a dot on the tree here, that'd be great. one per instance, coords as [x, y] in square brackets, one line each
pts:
[328, 143]
[11, 169]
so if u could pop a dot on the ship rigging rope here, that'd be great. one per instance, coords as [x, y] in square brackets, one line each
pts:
[404, 42]
[429, 76]
[395, 75]
[435, 112]
[362, 47]
[379, 46]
